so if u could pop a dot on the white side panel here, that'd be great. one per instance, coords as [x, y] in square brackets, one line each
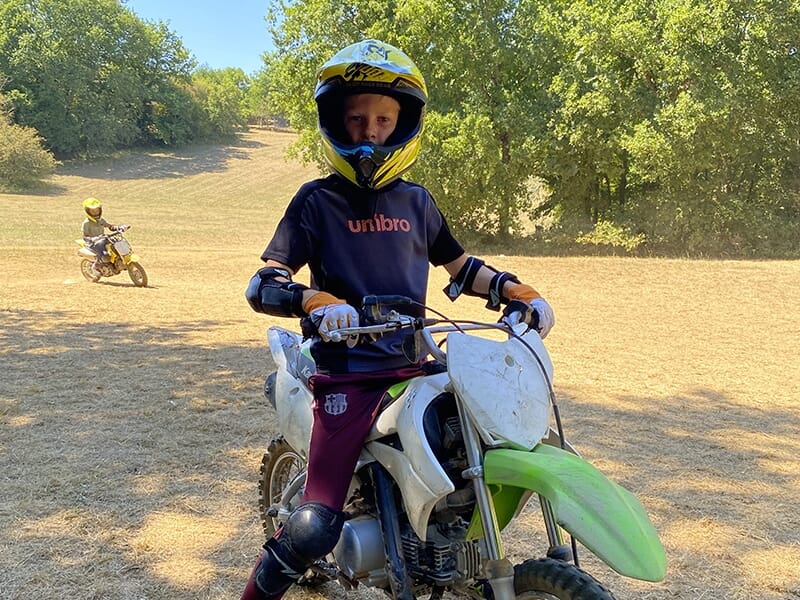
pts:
[292, 399]
[293, 403]
[418, 497]
[416, 470]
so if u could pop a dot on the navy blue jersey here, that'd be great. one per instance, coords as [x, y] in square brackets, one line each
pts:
[358, 242]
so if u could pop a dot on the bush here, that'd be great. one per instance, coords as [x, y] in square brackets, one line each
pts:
[606, 233]
[24, 162]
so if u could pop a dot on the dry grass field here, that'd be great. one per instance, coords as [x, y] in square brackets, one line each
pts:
[132, 420]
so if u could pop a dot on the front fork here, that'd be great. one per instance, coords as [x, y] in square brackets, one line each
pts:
[399, 581]
[497, 568]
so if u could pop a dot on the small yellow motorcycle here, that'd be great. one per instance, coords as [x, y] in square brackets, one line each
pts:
[118, 257]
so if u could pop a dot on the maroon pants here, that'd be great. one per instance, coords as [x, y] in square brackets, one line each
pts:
[345, 407]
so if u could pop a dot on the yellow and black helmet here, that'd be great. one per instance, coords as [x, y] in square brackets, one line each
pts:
[93, 208]
[370, 67]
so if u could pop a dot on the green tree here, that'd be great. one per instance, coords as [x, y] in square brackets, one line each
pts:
[678, 116]
[487, 79]
[678, 120]
[222, 96]
[260, 106]
[23, 161]
[483, 82]
[172, 116]
[83, 71]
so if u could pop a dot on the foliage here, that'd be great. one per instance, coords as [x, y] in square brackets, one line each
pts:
[680, 115]
[258, 108]
[23, 160]
[676, 120]
[606, 233]
[222, 96]
[260, 105]
[172, 117]
[472, 194]
[83, 71]
[479, 111]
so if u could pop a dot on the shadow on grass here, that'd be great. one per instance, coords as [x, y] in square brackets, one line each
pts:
[168, 163]
[44, 190]
[108, 428]
[116, 437]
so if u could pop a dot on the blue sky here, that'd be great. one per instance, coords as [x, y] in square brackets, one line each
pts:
[219, 33]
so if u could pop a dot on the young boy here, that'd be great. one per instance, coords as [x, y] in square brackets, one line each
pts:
[94, 228]
[361, 231]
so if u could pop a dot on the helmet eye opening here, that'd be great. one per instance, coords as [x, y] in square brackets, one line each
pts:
[331, 113]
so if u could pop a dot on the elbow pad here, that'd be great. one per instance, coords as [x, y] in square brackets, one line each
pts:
[463, 281]
[266, 294]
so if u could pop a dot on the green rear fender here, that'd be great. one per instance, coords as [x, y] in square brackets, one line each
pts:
[602, 515]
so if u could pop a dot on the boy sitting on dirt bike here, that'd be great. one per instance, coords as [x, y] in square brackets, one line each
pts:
[362, 230]
[94, 228]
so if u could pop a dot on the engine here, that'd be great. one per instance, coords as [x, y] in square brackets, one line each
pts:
[107, 269]
[445, 558]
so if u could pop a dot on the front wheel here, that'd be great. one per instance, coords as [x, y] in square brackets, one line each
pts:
[549, 579]
[88, 272]
[137, 274]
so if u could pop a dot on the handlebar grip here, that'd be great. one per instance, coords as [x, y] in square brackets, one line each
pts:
[390, 299]
[527, 314]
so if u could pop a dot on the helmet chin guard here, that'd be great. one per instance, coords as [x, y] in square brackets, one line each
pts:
[365, 171]
[365, 160]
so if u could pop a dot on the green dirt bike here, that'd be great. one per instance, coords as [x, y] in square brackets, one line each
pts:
[452, 459]
[118, 257]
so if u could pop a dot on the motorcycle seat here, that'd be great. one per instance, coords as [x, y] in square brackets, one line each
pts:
[431, 367]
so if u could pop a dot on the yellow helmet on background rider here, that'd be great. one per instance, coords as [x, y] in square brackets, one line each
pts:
[93, 208]
[370, 67]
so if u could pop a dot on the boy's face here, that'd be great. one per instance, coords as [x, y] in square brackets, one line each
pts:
[370, 117]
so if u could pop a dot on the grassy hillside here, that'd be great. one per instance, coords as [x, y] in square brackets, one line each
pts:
[132, 422]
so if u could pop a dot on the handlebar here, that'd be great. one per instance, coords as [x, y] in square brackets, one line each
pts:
[373, 319]
[378, 322]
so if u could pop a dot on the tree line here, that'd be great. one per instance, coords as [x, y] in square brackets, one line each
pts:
[667, 128]
[92, 77]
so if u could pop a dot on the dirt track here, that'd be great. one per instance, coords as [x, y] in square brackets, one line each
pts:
[132, 421]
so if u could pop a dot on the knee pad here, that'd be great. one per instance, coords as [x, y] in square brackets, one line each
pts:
[309, 533]
[312, 530]
[275, 574]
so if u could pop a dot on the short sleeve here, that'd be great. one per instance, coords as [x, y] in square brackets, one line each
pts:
[291, 243]
[443, 247]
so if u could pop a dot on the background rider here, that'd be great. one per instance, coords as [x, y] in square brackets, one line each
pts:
[94, 229]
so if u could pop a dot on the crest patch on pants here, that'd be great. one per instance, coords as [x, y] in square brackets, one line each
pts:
[335, 404]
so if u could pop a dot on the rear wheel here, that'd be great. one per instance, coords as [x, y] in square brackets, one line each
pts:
[549, 579]
[280, 466]
[137, 274]
[88, 272]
